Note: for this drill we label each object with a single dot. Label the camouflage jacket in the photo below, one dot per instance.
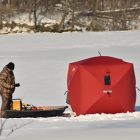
(7, 79)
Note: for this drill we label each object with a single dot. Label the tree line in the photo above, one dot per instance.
(92, 15)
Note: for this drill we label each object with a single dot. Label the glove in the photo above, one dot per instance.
(17, 85)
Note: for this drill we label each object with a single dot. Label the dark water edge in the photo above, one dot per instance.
(137, 108)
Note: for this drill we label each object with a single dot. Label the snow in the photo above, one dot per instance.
(24, 22)
(41, 68)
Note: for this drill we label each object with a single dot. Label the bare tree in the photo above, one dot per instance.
(35, 13)
(65, 13)
(0, 15)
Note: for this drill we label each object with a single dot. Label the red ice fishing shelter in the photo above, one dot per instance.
(101, 85)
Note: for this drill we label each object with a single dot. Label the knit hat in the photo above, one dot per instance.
(10, 66)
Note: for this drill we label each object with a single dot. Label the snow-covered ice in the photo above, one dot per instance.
(41, 68)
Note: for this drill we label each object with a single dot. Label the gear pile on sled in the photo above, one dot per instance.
(19, 110)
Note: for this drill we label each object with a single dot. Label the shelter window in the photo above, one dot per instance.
(107, 80)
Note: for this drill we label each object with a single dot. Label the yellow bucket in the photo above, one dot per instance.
(16, 104)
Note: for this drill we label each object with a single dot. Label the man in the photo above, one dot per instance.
(7, 87)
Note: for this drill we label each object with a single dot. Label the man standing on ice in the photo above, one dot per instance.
(7, 87)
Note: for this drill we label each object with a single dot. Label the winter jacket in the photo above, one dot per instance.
(7, 79)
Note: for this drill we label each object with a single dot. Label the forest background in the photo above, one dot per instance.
(18, 16)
